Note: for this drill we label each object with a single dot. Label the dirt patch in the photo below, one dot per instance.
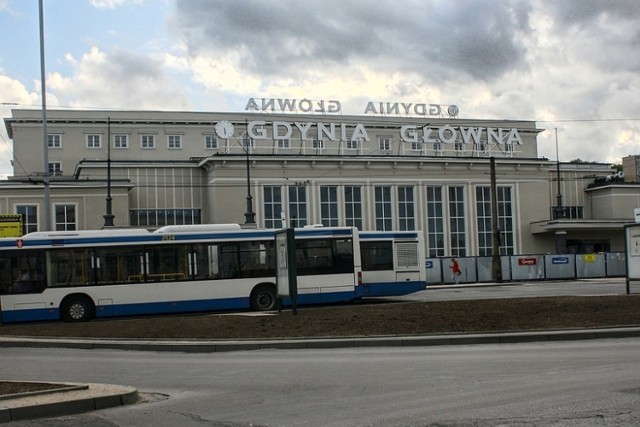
(11, 387)
(362, 319)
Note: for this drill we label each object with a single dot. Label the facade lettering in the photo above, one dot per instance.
(283, 130)
(448, 134)
(469, 135)
(398, 108)
(293, 105)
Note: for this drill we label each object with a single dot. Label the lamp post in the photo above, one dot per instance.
(250, 216)
(496, 268)
(108, 216)
(559, 209)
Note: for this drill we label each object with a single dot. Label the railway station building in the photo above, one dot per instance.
(391, 168)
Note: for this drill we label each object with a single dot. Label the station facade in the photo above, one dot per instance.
(262, 168)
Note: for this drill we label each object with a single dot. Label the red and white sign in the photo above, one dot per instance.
(527, 261)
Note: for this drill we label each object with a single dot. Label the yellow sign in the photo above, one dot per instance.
(590, 258)
(10, 225)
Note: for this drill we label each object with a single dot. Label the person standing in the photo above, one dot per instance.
(455, 270)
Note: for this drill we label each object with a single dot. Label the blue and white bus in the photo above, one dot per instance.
(79, 275)
(392, 263)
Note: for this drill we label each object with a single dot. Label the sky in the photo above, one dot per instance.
(570, 65)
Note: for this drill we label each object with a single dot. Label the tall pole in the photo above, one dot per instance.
(559, 208)
(45, 135)
(108, 216)
(496, 269)
(559, 212)
(250, 216)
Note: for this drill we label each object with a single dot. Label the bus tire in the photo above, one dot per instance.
(264, 298)
(77, 309)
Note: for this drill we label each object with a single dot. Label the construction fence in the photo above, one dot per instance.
(527, 267)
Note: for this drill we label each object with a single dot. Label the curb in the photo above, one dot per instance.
(199, 346)
(65, 401)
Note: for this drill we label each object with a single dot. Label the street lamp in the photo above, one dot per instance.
(250, 216)
(108, 216)
(558, 209)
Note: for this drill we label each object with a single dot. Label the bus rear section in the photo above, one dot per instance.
(392, 263)
(328, 265)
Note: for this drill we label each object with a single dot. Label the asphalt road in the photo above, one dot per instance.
(544, 384)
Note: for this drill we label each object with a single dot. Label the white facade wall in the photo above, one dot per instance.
(179, 174)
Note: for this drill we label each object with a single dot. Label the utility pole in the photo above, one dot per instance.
(496, 269)
(45, 133)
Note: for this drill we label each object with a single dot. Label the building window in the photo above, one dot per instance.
(329, 206)
(283, 143)
(384, 220)
(248, 144)
(456, 222)
(55, 168)
(416, 146)
(505, 221)
(54, 141)
(353, 206)
(435, 222)
(568, 212)
(483, 208)
(437, 147)
(317, 144)
(458, 146)
(94, 141)
(272, 207)
(352, 144)
(121, 141)
(384, 144)
(210, 142)
(29, 215)
(147, 141)
(174, 142)
(406, 208)
(160, 217)
(297, 206)
(65, 217)
(480, 147)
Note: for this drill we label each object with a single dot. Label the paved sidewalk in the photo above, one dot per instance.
(88, 397)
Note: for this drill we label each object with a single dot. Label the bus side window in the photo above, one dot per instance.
(229, 267)
(67, 267)
(377, 256)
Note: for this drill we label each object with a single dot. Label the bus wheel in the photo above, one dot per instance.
(77, 309)
(264, 298)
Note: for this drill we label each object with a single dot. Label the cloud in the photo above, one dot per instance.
(118, 79)
(495, 59)
(14, 95)
(113, 4)
(289, 38)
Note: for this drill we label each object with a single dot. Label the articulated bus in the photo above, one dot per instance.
(79, 275)
(392, 263)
